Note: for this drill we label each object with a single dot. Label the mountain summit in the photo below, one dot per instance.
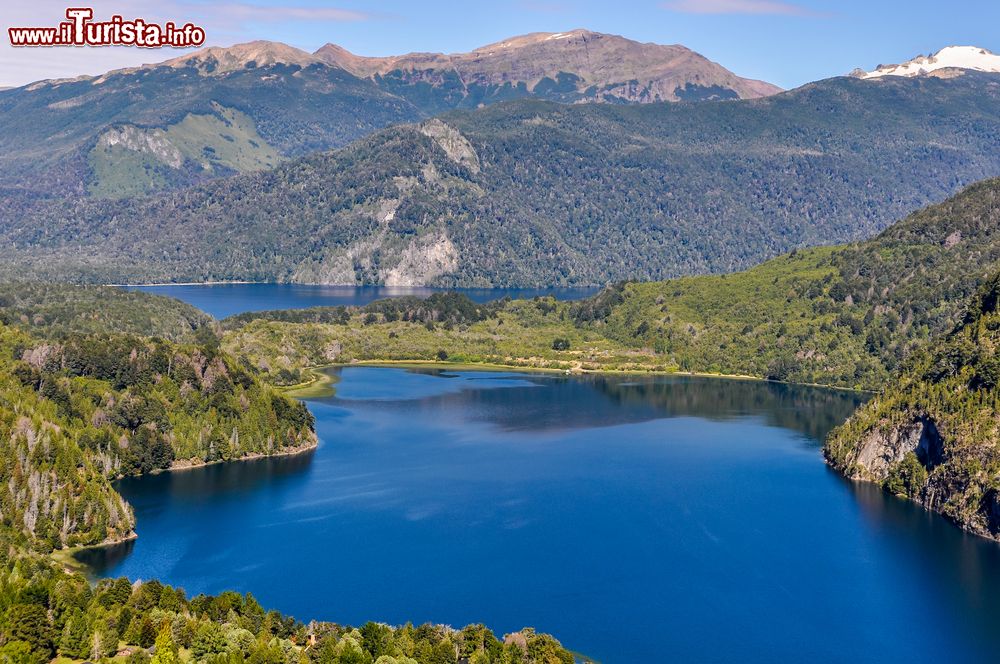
(578, 65)
(224, 110)
(261, 53)
(949, 58)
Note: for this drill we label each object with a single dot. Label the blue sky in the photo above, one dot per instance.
(787, 42)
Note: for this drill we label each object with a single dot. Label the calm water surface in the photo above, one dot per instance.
(639, 520)
(223, 300)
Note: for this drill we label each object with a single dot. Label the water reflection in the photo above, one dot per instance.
(638, 518)
(961, 567)
(193, 487)
(222, 300)
(581, 402)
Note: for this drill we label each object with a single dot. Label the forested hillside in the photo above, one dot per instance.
(97, 407)
(57, 309)
(530, 193)
(846, 315)
(220, 111)
(134, 131)
(931, 435)
(81, 404)
(843, 315)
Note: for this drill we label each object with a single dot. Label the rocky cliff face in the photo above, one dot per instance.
(911, 458)
(934, 436)
(882, 449)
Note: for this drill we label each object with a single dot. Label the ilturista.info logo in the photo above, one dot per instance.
(79, 29)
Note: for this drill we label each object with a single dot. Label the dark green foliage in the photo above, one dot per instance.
(107, 405)
(162, 387)
(599, 307)
(583, 194)
(907, 478)
(449, 308)
(560, 344)
(224, 628)
(376, 639)
(29, 623)
(847, 315)
(57, 310)
(937, 423)
(329, 315)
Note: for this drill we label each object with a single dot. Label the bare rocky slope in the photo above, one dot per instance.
(579, 65)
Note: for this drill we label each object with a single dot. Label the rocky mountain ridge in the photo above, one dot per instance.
(220, 111)
(590, 65)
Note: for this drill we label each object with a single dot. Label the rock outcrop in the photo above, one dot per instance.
(934, 436)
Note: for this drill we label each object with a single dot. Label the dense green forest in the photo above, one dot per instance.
(530, 193)
(931, 434)
(845, 316)
(89, 408)
(47, 612)
(56, 310)
(89, 393)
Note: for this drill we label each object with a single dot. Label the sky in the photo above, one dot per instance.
(786, 42)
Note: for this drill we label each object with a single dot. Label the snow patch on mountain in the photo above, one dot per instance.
(952, 57)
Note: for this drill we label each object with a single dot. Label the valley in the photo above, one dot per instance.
(569, 330)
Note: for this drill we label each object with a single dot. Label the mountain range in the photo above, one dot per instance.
(477, 169)
(539, 193)
(579, 65)
(221, 111)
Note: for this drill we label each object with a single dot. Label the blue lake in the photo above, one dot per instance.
(223, 300)
(637, 519)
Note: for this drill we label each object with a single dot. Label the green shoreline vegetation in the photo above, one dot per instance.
(844, 316)
(98, 383)
(852, 316)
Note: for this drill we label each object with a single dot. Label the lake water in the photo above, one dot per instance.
(221, 300)
(637, 519)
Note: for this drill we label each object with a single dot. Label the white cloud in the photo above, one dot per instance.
(769, 7)
(224, 24)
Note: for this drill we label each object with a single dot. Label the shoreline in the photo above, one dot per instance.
(67, 556)
(190, 283)
(474, 366)
(320, 384)
(224, 282)
(190, 464)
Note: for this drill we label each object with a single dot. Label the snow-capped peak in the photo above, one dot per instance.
(951, 57)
